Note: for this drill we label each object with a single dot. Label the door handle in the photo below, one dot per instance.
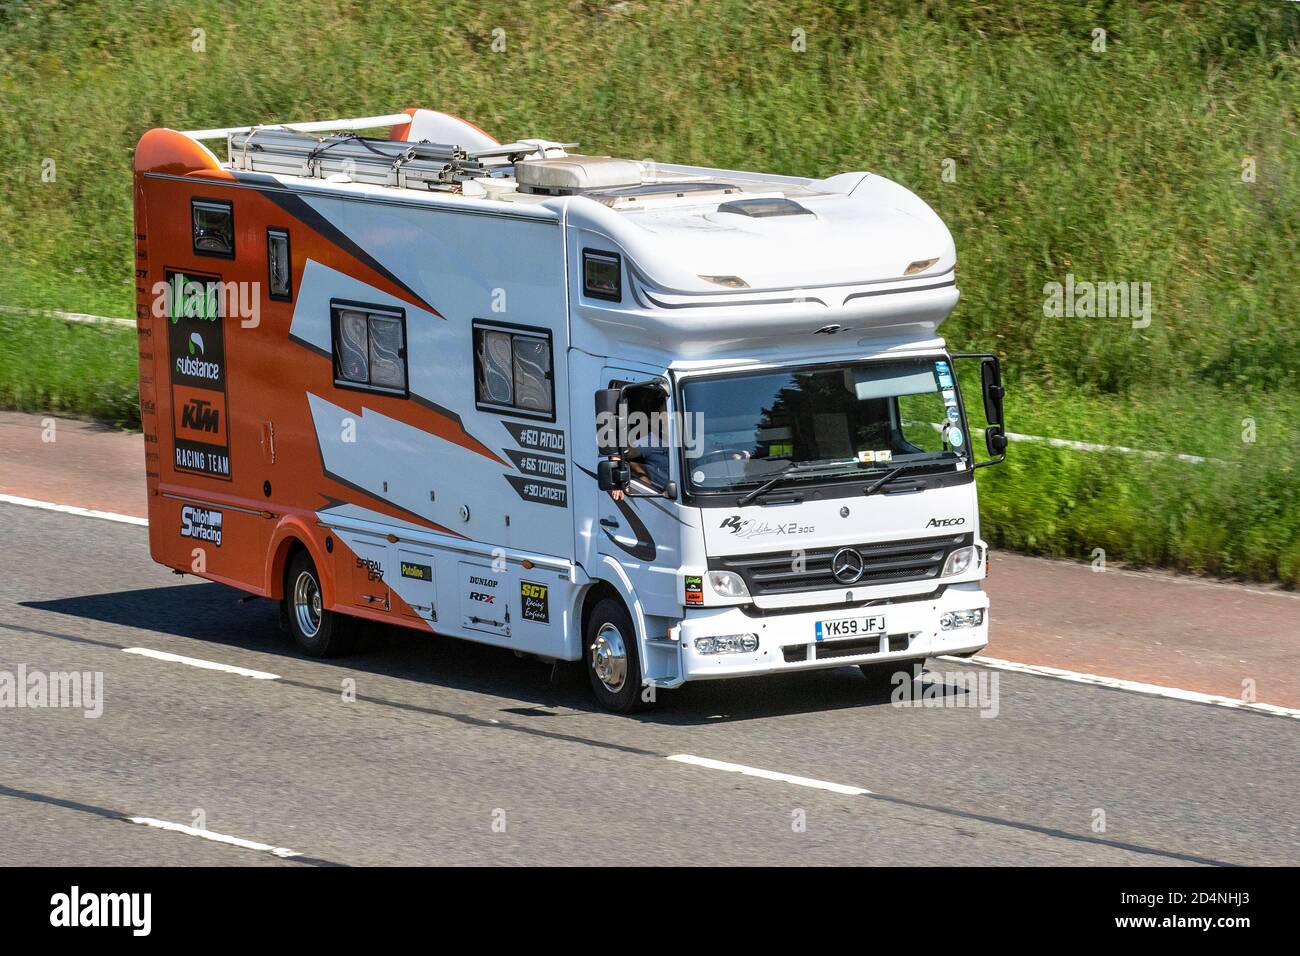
(609, 522)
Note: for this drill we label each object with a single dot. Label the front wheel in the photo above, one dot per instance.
(317, 632)
(613, 665)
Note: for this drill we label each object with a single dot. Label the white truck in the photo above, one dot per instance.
(679, 423)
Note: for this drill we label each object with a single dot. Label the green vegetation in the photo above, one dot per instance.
(1169, 158)
(75, 368)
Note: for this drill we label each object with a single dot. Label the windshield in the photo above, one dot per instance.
(828, 422)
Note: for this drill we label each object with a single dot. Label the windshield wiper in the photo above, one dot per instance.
(784, 473)
(894, 472)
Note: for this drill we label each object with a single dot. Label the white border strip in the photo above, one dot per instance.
(282, 852)
(69, 316)
(1117, 683)
(198, 662)
(768, 774)
(73, 510)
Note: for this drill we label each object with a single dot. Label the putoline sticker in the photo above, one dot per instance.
(418, 572)
(196, 347)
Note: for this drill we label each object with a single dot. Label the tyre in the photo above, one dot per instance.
(880, 677)
(317, 632)
(613, 664)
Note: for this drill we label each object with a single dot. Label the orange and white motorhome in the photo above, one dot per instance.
(400, 378)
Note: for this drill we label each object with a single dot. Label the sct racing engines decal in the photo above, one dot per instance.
(196, 347)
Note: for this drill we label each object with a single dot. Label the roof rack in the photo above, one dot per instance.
(384, 162)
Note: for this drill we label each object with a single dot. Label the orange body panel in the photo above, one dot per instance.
(260, 423)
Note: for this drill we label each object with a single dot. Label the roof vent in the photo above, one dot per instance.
(764, 208)
(575, 174)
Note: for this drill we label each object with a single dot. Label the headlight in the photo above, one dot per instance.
(971, 618)
(960, 561)
(727, 644)
(728, 584)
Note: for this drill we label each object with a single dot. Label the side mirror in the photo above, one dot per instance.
(613, 475)
(991, 379)
(608, 425)
(995, 440)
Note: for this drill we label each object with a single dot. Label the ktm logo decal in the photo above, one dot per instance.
(200, 414)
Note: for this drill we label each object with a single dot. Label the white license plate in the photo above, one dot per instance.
(850, 627)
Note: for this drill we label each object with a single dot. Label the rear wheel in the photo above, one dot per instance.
(613, 665)
(317, 632)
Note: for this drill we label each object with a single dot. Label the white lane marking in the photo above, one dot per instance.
(73, 510)
(1154, 690)
(768, 774)
(282, 852)
(199, 662)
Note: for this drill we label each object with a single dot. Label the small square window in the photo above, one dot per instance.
(513, 371)
(214, 228)
(369, 349)
(602, 275)
(279, 265)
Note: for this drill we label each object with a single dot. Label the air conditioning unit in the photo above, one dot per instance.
(575, 174)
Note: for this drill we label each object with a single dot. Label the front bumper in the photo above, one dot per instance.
(912, 629)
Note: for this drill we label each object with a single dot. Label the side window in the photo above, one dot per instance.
(513, 370)
(602, 275)
(213, 222)
(279, 265)
(648, 454)
(369, 348)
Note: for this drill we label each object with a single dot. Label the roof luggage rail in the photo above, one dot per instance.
(284, 152)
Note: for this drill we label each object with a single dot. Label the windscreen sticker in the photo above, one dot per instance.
(870, 456)
(955, 437)
(952, 413)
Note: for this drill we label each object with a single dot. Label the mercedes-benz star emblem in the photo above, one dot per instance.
(846, 566)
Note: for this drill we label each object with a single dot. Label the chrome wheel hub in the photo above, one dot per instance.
(609, 658)
(306, 604)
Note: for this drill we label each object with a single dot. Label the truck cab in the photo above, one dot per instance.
(783, 463)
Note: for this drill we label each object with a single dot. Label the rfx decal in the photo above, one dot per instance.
(754, 528)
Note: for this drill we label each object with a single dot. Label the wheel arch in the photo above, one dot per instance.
(292, 535)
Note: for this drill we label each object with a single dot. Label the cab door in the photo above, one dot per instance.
(641, 529)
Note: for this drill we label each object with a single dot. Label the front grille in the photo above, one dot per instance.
(883, 562)
(851, 648)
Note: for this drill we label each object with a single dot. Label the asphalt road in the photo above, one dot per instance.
(454, 753)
